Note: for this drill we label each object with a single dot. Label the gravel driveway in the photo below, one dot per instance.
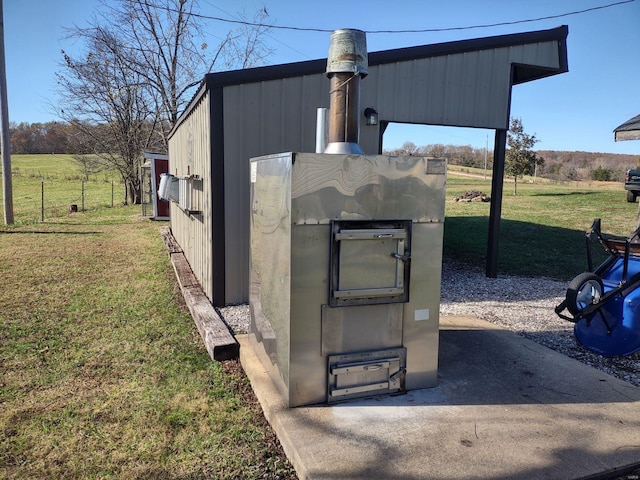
(522, 305)
(525, 306)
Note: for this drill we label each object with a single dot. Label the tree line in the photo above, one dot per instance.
(47, 138)
(464, 155)
(521, 159)
(578, 165)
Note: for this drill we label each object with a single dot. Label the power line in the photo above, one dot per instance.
(515, 22)
(270, 36)
(424, 30)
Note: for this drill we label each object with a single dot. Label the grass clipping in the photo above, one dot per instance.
(103, 374)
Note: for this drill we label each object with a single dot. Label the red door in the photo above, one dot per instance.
(160, 166)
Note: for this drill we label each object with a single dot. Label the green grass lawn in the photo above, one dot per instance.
(102, 371)
(542, 229)
(46, 185)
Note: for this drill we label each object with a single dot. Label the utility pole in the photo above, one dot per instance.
(486, 148)
(7, 190)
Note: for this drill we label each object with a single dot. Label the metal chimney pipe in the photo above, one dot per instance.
(347, 63)
(344, 106)
(321, 129)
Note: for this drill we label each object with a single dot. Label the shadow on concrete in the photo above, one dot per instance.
(497, 367)
(504, 408)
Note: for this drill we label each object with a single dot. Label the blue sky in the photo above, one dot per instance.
(573, 111)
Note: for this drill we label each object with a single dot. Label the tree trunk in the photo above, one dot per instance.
(133, 193)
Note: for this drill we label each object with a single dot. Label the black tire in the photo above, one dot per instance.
(583, 291)
(631, 196)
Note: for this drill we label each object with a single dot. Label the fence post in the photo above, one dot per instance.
(42, 200)
(83, 196)
(112, 193)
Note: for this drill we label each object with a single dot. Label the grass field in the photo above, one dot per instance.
(102, 371)
(44, 186)
(542, 230)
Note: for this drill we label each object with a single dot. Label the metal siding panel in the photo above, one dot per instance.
(369, 135)
(280, 114)
(484, 89)
(542, 54)
(392, 107)
(189, 154)
(314, 95)
(446, 90)
(454, 90)
(203, 223)
(465, 89)
(498, 79)
(240, 106)
(468, 107)
(273, 106)
(435, 71)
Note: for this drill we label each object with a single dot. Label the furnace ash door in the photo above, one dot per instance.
(370, 262)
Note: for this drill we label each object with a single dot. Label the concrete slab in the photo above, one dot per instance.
(504, 408)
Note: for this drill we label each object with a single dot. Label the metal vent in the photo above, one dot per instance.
(364, 374)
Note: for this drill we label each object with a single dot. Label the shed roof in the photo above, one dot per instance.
(629, 130)
(524, 73)
(521, 72)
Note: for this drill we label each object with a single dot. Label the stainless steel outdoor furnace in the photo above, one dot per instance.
(346, 258)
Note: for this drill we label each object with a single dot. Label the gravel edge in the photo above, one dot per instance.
(522, 305)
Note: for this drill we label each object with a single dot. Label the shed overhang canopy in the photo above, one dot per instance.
(465, 72)
(629, 130)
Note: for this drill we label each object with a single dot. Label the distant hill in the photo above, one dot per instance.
(562, 165)
(558, 165)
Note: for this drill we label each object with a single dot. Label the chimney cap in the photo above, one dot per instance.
(348, 52)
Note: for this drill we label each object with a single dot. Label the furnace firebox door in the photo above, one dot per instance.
(370, 262)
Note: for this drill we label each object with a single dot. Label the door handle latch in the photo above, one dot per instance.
(406, 258)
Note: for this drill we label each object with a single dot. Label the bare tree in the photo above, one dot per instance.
(90, 164)
(167, 47)
(106, 102)
(142, 60)
(246, 46)
(408, 148)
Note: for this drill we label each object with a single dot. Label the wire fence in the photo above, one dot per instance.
(38, 199)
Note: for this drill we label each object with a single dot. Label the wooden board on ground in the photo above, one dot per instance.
(218, 340)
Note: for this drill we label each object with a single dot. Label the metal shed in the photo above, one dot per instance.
(237, 115)
(156, 165)
(629, 130)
